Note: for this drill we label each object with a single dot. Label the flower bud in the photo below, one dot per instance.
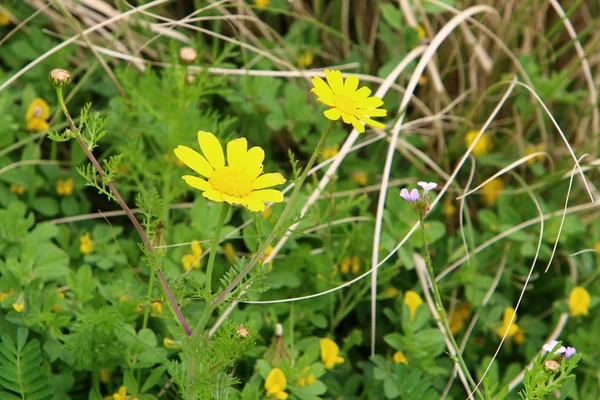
(190, 79)
(60, 77)
(551, 366)
(187, 54)
(242, 331)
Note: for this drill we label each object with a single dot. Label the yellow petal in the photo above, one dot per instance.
(213, 195)
(332, 114)
(370, 102)
(255, 155)
(372, 112)
(196, 182)
(236, 151)
(254, 204)
(212, 149)
(335, 80)
(356, 124)
(193, 160)
(350, 85)
(270, 195)
(268, 180)
(323, 92)
(275, 380)
(362, 93)
(371, 122)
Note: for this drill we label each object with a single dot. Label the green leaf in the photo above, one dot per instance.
(50, 262)
(46, 206)
(154, 377)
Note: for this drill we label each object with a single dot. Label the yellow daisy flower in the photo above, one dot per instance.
(37, 114)
(579, 301)
(240, 182)
(346, 101)
(400, 357)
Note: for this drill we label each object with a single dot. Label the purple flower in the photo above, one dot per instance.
(551, 345)
(412, 196)
(570, 351)
(427, 186)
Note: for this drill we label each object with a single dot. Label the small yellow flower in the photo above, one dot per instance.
(275, 384)
(305, 60)
(192, 259)
(240, 182)
(121, 394)
(61, 294)
(17, 189)
(123, 298)
(412, 300)
(579, 301)
(3, 296)
(86, 246)
(391, 292)
(156, 307)
(483, 146)
(330, 353)
(37, 114)
(345, 265)
(448, 208)
(506, 319)
(64, 187)
(491, 191)
(420, 32)
(400, 357)
(458, 317)
(355, 265)
(422, 80)
(104, 375)
(330, 152)
(4, 19)
(19, 305)
(306, 380)
(139, 307)
(534, 149)
(171, 344)
(346, 101)
(229, 252)
(520, 337)
(360, 178)
(262, 3)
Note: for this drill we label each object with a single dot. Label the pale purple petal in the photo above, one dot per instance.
(551, 345)
(412, 196)
(427, 186)
(570, 351)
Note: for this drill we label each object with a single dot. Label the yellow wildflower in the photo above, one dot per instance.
(355, 265)
(262, 3)
(275, 384)
(3, 296)
(345, 265)
(37, 114)
(491, 191)
(121, 394)
(192, 259)
(139, 307)
(391, 292)
(420, 32)
(534, 149)
(19, 305)
(413, 301)
(85, 244)
(4, 19)
(306, 380)
(360, 178)
(237, 183)
(330, 353)
(330, 152)
(579, 301)
(448, 208)
(484, 144)
(305, 60)
(422, 80)
(346, 101)
(64, 187)
(519, 337)
(230, 253)
(171, 344)
(104, 375)
(123, 298)
(506, 320)
(458, 317)
(400, 357)
(156, 307)
(17, 189)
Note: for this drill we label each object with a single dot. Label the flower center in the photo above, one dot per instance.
(345, 103)
(231, 181)
(37, 112)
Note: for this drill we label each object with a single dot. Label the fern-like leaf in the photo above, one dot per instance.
(20, 368)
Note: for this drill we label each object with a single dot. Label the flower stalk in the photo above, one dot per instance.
(161, 277)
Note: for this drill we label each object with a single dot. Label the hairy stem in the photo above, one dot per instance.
(128, 212)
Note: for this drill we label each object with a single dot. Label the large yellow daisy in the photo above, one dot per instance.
(346, 101)
(240, 182)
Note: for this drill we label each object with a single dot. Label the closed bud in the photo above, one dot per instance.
(60, 77)
(187, 54)
(551, 366)
(242, 331)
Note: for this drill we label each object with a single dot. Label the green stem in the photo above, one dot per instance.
(214, 245)
(282, 217)
(442, 314)
(148, 296)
